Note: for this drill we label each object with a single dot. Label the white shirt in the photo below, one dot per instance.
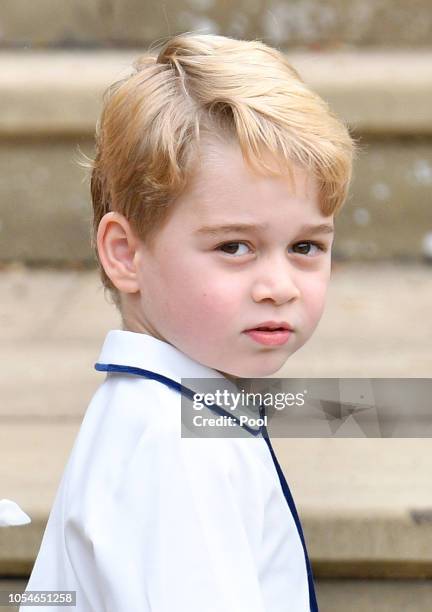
(146, 520)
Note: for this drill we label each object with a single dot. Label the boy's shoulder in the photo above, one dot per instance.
(126, 408)
(130, 449)
(134, 412)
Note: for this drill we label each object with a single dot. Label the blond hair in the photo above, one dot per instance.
(149, 130)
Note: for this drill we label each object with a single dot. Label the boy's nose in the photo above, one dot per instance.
(275, 283)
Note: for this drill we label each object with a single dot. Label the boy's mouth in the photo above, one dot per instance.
(272, 326)
(270, 333)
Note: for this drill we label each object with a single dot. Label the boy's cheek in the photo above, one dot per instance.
(216, 306)
(314, 298)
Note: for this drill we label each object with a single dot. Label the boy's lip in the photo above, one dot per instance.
(272, 325)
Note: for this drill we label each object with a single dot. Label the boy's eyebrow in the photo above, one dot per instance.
(322, 228)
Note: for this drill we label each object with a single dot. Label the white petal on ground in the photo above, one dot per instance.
(11, 514)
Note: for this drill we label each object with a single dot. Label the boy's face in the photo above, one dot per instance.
(200, 290)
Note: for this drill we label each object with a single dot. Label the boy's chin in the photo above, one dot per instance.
(257, 371)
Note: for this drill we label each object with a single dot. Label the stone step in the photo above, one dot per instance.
(337, 595)
(49, 103)
(58, 93)
(365, 503)
(308, 23)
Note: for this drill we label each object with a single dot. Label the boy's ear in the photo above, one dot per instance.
(117, 245)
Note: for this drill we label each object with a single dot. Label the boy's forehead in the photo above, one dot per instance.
(224, 186)
(219, 160)
(216, 156)
(208, 219)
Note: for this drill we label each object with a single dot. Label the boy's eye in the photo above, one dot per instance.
(308, 248)
(231, 248)
(304, 248)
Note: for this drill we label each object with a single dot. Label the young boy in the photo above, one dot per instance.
(215, 185)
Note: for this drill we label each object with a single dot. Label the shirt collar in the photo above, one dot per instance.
(144, 351)
(126, 348)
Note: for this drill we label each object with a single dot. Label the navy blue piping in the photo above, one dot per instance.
(289, 498)
(112, 367)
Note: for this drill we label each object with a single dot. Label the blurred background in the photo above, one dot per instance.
(366, 504)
